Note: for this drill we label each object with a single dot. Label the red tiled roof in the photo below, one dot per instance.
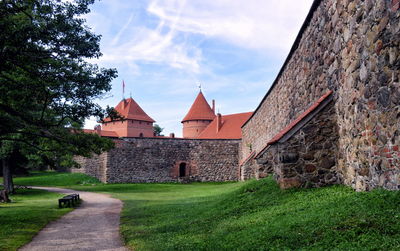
(200, 110)
(129, 109)
(282, 133)
(230, 127)
(110, 134)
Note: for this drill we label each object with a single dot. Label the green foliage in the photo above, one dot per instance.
(47, 85)
(157, 130)
(28, 213)
(45, 79)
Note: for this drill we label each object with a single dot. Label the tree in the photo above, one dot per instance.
(157, 130)
(47, 85)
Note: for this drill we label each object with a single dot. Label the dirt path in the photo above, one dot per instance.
(92, 226)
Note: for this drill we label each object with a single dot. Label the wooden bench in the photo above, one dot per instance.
(69, 200)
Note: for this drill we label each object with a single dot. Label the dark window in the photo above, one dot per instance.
(182, 169)
(141, 135)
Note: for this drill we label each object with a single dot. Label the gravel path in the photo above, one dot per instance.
(94, 225)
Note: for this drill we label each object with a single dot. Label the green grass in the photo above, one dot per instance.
(28, 213)
(255, 215)
(55, 179)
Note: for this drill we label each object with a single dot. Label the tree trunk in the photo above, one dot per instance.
(4, 196)
(7, 176)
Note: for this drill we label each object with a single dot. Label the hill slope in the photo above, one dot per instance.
(255, 215)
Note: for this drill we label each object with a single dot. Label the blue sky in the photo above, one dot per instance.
(163, 49)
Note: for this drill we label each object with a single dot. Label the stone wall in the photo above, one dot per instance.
(368, 105)
(352, 48)
(95, 166)
(158, 160)
(309, 157)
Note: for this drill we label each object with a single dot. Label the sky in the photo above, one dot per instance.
(164, 49)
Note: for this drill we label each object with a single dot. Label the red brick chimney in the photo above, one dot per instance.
(172, 135)
(213, 106)
(219, 121)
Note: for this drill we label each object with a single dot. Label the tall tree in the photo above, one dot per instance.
(157, 130)
(47, 85)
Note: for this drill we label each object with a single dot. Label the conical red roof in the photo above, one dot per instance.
(129, 109)
(200, 110)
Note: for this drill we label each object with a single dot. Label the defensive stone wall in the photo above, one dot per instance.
(308, 157)
(352, 48)
(166, 160)
(95, 166)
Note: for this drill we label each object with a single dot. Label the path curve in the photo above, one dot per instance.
(94, 225)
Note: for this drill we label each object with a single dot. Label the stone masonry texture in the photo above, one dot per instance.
(309, 157)
(350, 47)
(158, 160)
(95, 166)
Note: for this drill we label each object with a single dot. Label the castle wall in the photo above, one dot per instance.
(95, 166)
(309, 157)
(352, 48)
(158, 160)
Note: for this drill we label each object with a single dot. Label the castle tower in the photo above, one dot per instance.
(135, 122)
(198, 118)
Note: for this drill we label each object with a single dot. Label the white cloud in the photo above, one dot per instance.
(163, 47)
(251, 24)
(121, 31)
(153, 47)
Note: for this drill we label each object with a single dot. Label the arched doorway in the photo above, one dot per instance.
(182, 169)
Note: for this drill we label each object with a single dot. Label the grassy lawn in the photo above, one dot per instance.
(28, 213)
(55, 179)
(255, 215)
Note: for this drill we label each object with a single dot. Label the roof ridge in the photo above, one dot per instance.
(130, 109)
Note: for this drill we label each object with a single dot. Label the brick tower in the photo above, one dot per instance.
(135, 122)
(198, 118)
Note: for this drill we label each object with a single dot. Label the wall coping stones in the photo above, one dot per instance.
(298, 123)
(248, 158)
(301, 120)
